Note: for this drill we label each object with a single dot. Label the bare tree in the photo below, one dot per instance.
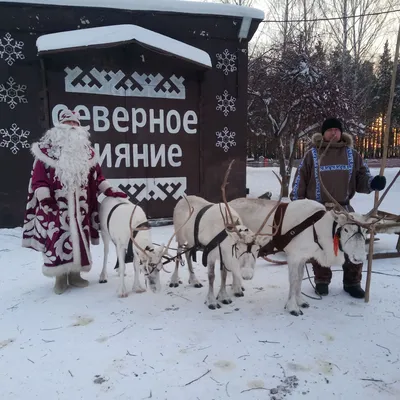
(290, 94)
(245, 3)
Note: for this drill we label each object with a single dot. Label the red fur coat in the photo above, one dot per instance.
(63, 236)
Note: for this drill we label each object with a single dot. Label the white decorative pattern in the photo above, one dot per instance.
(225, 139)
(118, 84)
(227, 62)
(14, 138)
(11, 93)
(151, 188)
(10, 49)
(226, 103)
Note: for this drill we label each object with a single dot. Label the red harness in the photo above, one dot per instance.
(279, 241)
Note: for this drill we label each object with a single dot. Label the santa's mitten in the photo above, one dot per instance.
(378, 182)
(49, 204)
(115, 193)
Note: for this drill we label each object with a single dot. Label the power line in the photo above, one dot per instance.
(330, 19)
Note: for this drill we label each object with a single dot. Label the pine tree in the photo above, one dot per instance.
(382, 87)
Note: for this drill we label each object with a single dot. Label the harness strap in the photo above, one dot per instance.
(129, 251)
(197, 244)
(111, 213)
(212, 245)
(278, 220)
(280, 241)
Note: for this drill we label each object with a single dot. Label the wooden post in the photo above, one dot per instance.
(383, 162)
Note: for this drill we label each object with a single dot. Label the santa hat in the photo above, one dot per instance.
(330, 123)
(68, 115)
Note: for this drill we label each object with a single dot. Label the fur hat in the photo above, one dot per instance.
(331, 123)
(68, 115)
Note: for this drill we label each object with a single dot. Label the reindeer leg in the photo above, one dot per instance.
(137, 287)
(223, 296)
(192, 277)
(294, 283)
(237, 285)
(106, 242)
(175, 276)
(299, 298)
(121, 260)
(211, 301)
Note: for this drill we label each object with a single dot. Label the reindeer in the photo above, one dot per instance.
(224, 238)
(309, 230)
(117, 226)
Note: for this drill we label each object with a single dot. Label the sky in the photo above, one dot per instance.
(389, 32)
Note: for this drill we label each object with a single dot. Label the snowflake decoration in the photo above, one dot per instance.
(226, 62)
(225, 139)
(10, 49)
(226, 103)
(14, 138)
(12, 93)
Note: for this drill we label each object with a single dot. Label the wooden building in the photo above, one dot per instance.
(161, 84)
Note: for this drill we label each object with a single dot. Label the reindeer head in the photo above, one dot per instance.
(351, 228)
(349, 232)
(247, 243)
(152, 265)
(152, 257)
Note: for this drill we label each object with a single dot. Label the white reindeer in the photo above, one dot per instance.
(303, 247)
(237, 247)
(338, 233)
(119, 218)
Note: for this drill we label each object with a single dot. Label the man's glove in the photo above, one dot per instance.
(378, 183)
(111, 193)
(50, 203)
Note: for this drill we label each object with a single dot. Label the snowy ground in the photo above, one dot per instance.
(89, 344)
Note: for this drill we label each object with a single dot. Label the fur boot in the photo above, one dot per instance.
(61, 284)
(76, 280)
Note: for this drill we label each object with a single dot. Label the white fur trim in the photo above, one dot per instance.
(31, 243)
(35, 150)
(104, 186)
(42, 193)
(73, 228)
(51, 272)
(80, 227)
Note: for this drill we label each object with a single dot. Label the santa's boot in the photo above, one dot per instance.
(76, 280)
(61, 284)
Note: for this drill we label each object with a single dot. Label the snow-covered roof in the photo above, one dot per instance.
(175, 6)
(116, 34)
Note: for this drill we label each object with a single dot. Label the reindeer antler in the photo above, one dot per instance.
(340, 209)
(228, 224)
(191, 211)
(331, 198)
(271, 212)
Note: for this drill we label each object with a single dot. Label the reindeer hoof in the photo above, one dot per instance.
(139, 290)
(227, 301)
(103, 281)
(212, 306)
(305, 305)
(239, 294)
(296, 313)
(243, 289)
(173, 284)
(123, 295)
(198, 285)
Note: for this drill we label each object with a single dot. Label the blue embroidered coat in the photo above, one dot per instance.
(343, 172)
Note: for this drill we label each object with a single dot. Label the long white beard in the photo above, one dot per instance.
(71, 147)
